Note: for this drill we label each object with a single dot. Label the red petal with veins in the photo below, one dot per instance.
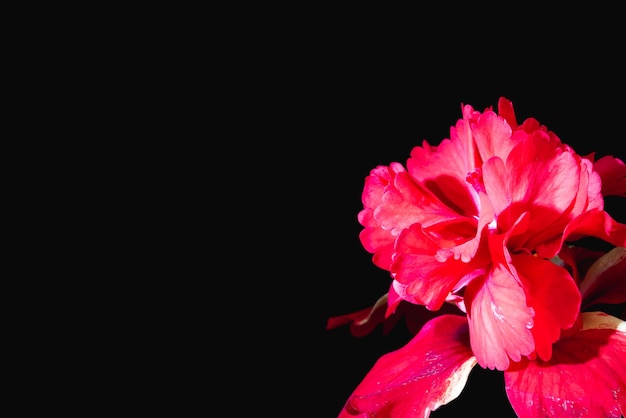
(499, 319)
(586, 375)
(493, 136)
(407, 202)
(430, 371)
(537, 177)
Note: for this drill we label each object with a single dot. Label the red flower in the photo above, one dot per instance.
(477, 235)
(476, 220)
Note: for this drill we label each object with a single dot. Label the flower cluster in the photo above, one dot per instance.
(480, 236)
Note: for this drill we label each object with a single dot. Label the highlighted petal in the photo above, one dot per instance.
(586, 375)
(430, 371)
(499, 320)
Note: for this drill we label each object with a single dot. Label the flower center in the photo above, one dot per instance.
(475, 179)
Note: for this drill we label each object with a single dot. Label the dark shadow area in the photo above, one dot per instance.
(484, 391)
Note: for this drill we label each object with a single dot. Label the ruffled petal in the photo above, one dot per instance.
(499, 320)
(537, 177)
(430, 371)
(493, 137)
(393, 201)
(406, 202)
(375, 239)
(419, 277)
(586, 375)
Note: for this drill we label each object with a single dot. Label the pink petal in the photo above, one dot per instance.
(442, 170)
(375, 239)
(605, 281)
(586, 375)
(499, 320)
(466, 249)
(407, 202)
(422, 279)
(588, 198)
(392, 202)
(493, 136)
(430, 371)
(536, 177)
(380, 243)
(495, 178)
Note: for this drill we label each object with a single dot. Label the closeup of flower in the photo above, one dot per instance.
(481, 238)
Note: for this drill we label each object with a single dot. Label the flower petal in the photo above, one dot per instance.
(492, 134)
(422, 279)
(605, 281)
(442, 170)
(536, 177)
(499, 319)
(373, 238)
(430, 371)
(599, 224)
(392, 202)
(586, 375)
(613, 174)
(545, 282)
